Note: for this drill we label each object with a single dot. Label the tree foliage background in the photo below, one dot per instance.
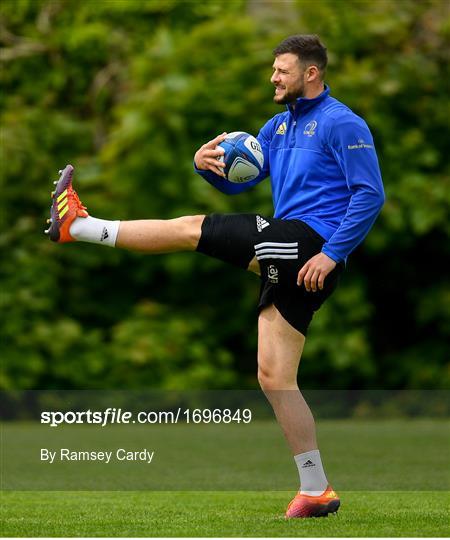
(126, 91)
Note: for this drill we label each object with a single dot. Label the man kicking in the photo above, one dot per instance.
(327, 192)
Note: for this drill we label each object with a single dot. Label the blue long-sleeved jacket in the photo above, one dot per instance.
(324, 170)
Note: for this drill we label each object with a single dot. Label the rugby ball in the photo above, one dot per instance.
(243, 157)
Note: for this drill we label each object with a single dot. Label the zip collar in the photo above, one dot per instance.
(303, 105)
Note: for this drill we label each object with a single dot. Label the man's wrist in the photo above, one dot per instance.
(331, 255)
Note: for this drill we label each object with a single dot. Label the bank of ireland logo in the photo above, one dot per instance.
(310, 128)
(272, 274)
(360, 144)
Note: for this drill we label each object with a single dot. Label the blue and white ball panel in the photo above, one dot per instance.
(242, 171)
(243, 157)
(255, 148)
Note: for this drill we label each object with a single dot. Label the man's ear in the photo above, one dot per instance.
(312, 73)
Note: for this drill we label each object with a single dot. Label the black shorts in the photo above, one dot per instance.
(282, 247)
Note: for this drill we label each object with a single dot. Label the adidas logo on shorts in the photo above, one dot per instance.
(261, 223)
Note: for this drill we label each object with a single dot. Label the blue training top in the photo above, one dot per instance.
(324, 170)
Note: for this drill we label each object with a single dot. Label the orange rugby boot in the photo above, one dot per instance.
(65, 208)
(305, 506)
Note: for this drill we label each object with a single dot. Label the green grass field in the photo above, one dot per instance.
(380, 455)
(219, 514)
(389, 484)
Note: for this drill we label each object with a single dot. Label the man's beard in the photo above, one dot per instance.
(290, 97)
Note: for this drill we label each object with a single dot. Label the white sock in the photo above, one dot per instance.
(312, 477)
(95, 231)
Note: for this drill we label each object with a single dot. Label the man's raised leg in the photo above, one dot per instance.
(69, 221)
(279, 350)
(161, 235)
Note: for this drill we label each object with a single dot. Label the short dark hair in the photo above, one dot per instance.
(308, 48)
